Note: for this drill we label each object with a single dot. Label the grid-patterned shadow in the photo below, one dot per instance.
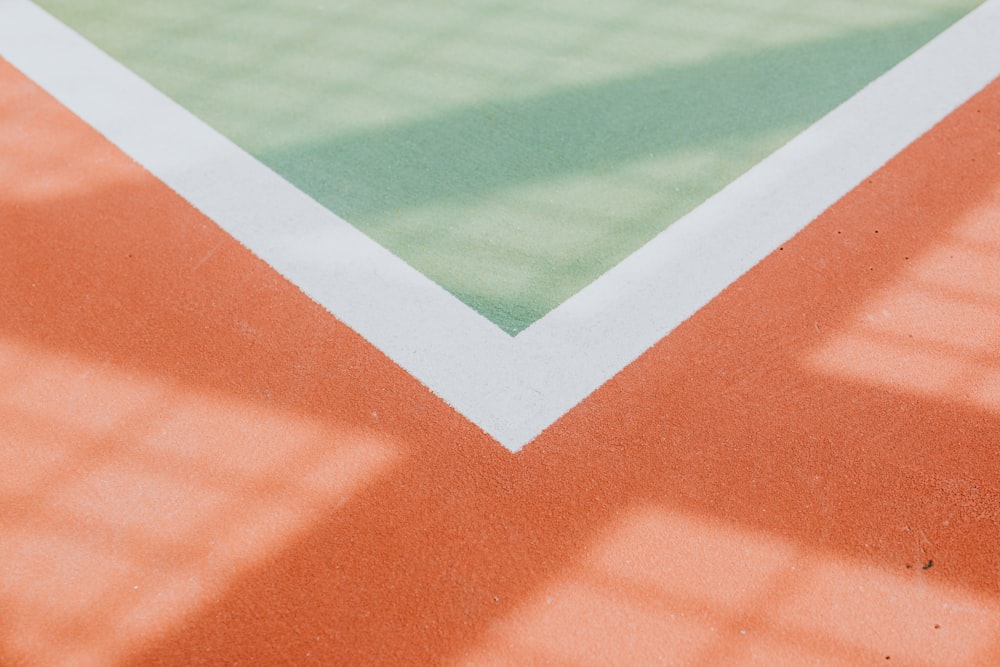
(511, 153)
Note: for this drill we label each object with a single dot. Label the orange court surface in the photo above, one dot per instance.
(211, 455)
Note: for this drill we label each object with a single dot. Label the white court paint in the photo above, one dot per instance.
(511, 387)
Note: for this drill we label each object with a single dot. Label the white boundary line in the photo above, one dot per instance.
(512, 388)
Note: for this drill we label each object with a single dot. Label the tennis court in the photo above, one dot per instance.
(470, 333)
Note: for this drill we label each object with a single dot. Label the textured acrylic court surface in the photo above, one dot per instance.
(203, 467)
(511, 152)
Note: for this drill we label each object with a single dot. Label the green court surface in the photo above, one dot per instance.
(510, 153)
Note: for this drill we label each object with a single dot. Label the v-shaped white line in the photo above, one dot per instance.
(511, 387)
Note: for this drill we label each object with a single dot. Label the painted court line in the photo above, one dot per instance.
(512, 388)
(261, 472)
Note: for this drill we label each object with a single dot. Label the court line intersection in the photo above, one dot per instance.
(511, 387)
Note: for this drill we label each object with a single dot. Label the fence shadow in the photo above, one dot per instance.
(723, 483)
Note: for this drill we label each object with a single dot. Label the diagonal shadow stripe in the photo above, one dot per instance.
(486, 147)
(734, 109)
(511, 388)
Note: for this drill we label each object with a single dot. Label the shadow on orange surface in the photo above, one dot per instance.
(128, 501)
(743, 493)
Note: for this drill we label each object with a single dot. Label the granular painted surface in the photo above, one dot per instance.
(203, 466)
(511, 153)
